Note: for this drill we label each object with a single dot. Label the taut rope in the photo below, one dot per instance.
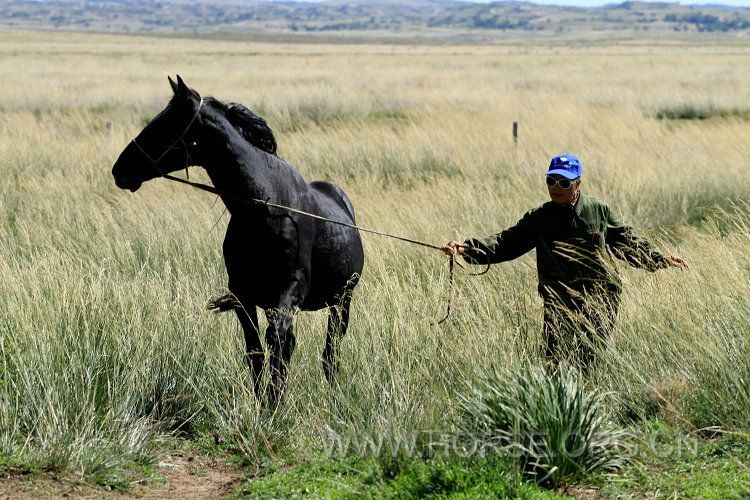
(257, 201)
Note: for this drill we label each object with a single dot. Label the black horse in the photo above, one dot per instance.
(276, 260)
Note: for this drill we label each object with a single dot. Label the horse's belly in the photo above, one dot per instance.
(261, 270)
(262, 286)
(260, 274)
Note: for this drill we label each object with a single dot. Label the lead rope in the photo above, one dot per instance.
(451, 263)
(256, 201)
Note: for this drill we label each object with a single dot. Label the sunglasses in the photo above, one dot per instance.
(563, 183)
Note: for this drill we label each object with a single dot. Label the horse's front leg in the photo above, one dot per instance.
(248, 316)
(281, 341)
(280, 338)
(254, 356)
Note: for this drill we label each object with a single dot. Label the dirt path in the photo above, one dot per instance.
(190, 476)
(187, 476)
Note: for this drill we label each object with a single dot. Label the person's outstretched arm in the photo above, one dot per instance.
(636, 250)
(506, 245)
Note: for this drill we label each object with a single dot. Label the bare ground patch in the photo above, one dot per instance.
(186, 475)
(47, 485)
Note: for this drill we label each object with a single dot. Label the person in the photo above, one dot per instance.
(575, 237)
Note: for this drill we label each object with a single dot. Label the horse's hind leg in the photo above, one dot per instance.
(253, 350)
(338, 322)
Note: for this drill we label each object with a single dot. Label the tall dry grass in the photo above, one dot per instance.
(104, 344)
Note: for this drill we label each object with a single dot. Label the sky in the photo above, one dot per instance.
(599, 3)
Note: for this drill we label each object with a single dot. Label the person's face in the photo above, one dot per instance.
(560, 195)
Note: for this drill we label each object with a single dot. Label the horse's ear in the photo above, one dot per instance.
(181, 87)
(185, 91)
(172, 84)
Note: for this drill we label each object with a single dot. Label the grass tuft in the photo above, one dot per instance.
(556, 429)
(690, 111)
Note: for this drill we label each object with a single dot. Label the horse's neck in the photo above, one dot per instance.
(238, 172)
(237, 167)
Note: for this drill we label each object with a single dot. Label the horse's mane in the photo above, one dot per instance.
(252, 127)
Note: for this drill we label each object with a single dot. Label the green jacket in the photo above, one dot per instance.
(574, 245)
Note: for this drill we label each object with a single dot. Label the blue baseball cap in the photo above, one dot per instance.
(569, 166)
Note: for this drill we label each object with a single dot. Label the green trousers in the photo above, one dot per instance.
(578, 322)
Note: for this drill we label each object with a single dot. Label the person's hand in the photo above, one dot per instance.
(678, 262)
(454, 247)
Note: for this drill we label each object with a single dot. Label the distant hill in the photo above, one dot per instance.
(442, 19)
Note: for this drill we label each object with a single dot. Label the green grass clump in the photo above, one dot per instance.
(485, 477)
(721, 397)
(446, 477)
(688, 111)
(673, 464)
(547, 421)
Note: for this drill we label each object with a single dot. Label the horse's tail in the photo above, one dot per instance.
(223, 303)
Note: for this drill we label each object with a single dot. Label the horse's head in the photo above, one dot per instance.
(165, 144)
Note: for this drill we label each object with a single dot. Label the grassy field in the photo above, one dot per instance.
(108, 359)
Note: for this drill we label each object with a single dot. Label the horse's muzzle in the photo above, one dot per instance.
(129, 183)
